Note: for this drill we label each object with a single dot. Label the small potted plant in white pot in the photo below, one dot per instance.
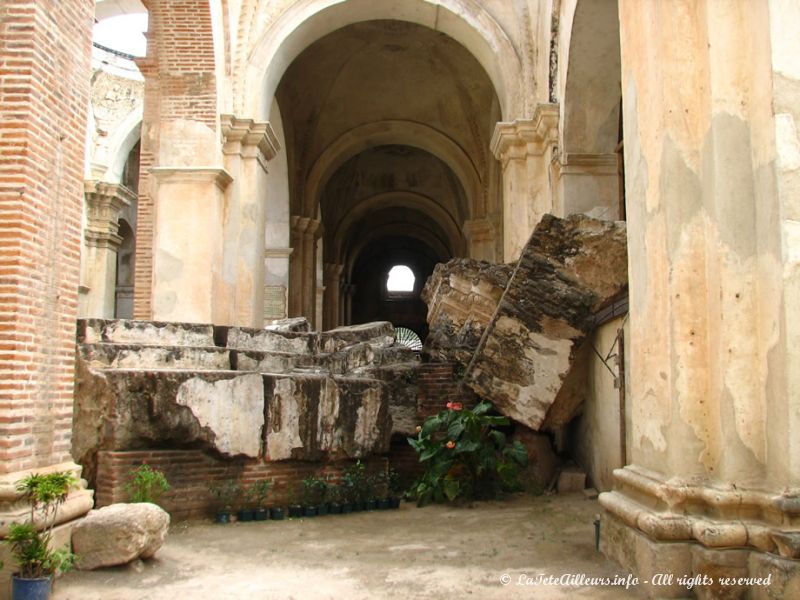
(32, 548)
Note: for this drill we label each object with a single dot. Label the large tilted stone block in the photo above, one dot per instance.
(569, 268)
(133, 356)
(516, 329)
(462, 297)
(118, 534)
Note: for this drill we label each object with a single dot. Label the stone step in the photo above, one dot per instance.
(145, 333)
(378, 334)
(264, 340)
(137, 356)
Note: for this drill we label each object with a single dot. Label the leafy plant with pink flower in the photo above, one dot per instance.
(466, 455)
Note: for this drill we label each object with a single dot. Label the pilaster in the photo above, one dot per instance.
(188, 243)
(524, 148)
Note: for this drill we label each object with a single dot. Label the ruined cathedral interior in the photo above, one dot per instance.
(283, 233)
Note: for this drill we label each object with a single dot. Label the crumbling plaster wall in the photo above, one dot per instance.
(596, 439)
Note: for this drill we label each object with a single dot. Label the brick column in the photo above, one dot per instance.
(44, 78)
(179, 129)
(104, 203)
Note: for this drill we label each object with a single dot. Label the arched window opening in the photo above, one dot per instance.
(401, 279)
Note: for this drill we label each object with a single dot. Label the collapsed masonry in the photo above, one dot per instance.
(251, 396)
(515, 330)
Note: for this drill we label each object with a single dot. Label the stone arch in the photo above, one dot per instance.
(121, 143)
(466, 21)
(408, 200)
(406, 133)
(590, 112)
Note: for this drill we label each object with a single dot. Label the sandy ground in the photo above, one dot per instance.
(436, 552)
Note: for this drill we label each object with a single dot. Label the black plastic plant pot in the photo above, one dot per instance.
(245, 515)
(260, 514)
(222, 516)
(31, 589)
(295, 511)
(347, 507)
(335, 508)
(372, 504)
(323, 510)
(309, 511)
(359, 505)
(394, 502)
(384, 503)
(276, 513)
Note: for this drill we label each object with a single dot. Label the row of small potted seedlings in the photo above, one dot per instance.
(315, 496)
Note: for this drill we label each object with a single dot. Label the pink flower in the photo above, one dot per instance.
(451, 444)
(455, 405)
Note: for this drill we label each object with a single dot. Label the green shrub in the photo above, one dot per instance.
(147, 484)
(466, 456)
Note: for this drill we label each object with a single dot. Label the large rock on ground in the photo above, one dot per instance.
(567, 271)
(118, 534)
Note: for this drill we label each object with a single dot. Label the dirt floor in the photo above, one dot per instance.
(490, 551)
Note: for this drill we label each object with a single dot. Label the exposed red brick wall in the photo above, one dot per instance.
(45, 66)
(191, 473)
(438, 386)
(180, 84)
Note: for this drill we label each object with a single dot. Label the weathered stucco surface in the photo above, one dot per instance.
(263, 395)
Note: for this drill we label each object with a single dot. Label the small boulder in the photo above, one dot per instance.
(118, 534)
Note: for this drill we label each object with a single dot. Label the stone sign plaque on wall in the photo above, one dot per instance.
(274, 302)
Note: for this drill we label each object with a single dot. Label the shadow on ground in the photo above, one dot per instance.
(436, 552)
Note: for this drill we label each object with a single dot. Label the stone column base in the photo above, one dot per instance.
(686, 569)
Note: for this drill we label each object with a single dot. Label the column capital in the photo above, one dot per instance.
(216, 175)
(332, 271)
(104, 203)
(524, 137)
(249, 139)
(479, 229)
(305, 226)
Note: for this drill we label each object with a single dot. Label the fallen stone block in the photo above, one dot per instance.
(567, 271)
(571, 481)
(119, 534)
(462, 297)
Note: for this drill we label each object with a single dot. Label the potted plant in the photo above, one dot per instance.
(147, 484)
(244, 511)
(225, 492)
(395, 488)
(310, 496)
(32, 549)
(258, 492)
(370, 492)
(381, 490)
(354, 480)
(295, 508)
(333, 497)
(321, 486)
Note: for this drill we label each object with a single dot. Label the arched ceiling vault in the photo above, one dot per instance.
(452, 240)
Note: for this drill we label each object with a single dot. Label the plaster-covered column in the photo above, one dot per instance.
(188, 241)
(708, 491)
(104, 203)
(332, 274)
(247, 146)
(276, 283)
(481, 237)
(524, 147)
(302, 268)
(588, 184)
